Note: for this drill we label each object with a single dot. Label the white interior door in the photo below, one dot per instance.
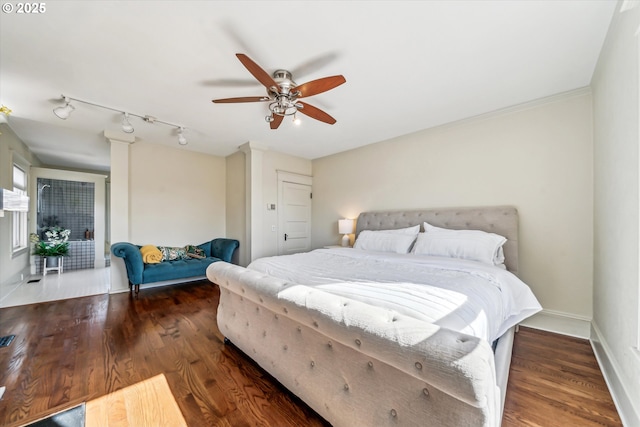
(294, 218)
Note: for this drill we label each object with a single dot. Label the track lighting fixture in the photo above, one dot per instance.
(181, 139)
(65, 111)
(126, 126)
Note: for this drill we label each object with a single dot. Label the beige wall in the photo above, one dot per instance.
(253, 178)
(273, 162)
(616, 214)
(236, 204)
(177, 197)
(11, 149)
(537, 158)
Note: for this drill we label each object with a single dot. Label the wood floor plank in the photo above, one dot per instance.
(73, 351)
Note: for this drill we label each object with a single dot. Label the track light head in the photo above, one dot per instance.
(181, 139)
(126, 126)
(65, 111)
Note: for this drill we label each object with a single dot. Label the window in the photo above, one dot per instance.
(20, 237)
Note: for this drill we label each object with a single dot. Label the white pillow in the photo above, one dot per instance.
(385, 241)
(409, 230)
(473, 245)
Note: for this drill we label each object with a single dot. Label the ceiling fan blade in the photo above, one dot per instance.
(315, 87)
(242, 99)
(261, 75)
(231, 82)
(277, 119)
(314, 64)
(315, 113)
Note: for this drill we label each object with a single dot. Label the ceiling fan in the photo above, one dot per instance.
(283, 93)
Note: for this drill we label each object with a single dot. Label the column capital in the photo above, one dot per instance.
(117, 136)
(250, 146)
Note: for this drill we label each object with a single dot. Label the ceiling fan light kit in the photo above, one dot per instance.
(63, 112)
(283, 94)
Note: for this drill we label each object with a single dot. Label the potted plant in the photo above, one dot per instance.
(55, 246)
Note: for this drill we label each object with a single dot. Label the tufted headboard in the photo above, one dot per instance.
(502, 220)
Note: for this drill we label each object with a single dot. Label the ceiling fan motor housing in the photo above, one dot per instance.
(284, 80)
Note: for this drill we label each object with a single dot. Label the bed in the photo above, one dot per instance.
(370, 337)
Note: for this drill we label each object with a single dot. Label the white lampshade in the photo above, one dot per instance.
(345, 226)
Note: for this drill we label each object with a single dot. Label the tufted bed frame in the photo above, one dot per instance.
(364, 373)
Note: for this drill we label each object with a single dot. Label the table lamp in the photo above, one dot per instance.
(345, 227)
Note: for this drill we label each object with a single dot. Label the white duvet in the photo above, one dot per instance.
(467, 296)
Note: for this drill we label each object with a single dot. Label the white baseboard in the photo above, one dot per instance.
(616, 383)
(13, 283)
(561, 323)
(172, 282)
(162, 283)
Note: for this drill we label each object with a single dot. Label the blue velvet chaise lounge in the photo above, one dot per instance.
(138, 272)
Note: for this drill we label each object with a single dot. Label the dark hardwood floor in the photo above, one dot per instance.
(555, 381)
(76, 350)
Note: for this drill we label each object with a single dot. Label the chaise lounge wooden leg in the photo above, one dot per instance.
(134, 289)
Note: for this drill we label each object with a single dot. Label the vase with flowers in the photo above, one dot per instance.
(54, 246)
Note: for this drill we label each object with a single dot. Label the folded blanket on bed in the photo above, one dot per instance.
(151, 254)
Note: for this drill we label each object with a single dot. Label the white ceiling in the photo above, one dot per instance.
(409, 65)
